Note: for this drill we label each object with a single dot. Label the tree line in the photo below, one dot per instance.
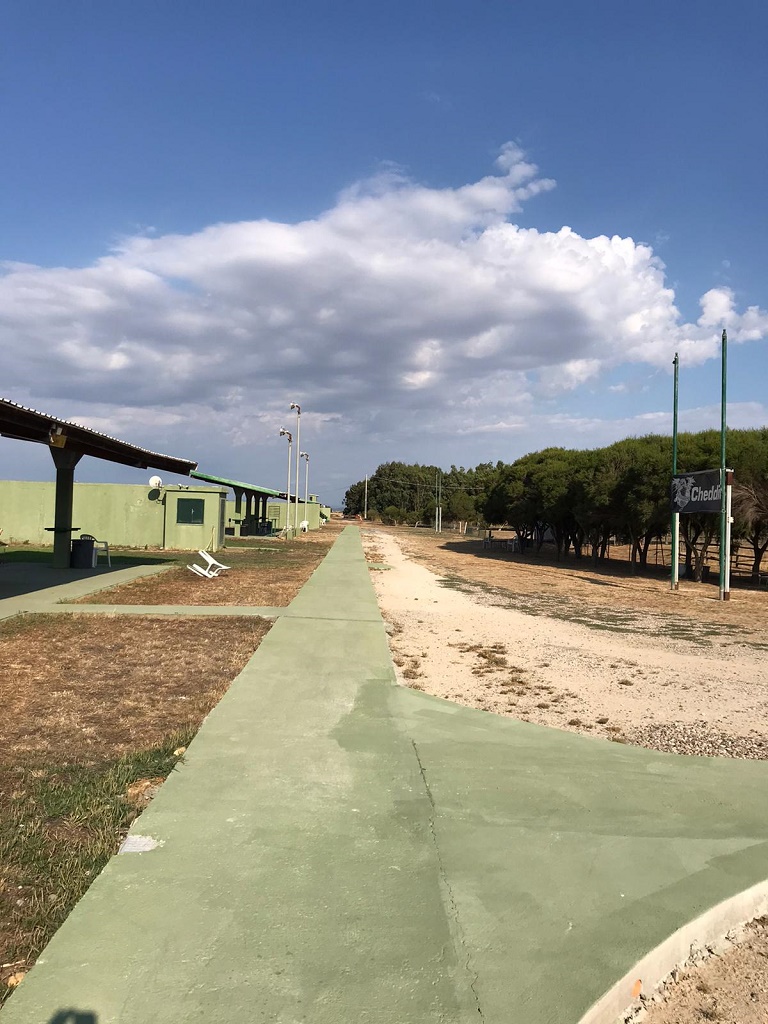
(581, 499)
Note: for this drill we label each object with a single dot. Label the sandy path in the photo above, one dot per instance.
(661, 691)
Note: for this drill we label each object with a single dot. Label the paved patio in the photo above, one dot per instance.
(339, 849)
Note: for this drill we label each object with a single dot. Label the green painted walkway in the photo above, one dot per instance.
(337, 849)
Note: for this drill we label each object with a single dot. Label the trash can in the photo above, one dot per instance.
(83, 554)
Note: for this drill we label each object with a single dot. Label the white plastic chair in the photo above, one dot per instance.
(212, 563)
(98, 545)
(208, 574)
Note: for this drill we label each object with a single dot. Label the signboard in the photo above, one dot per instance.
(696, 492)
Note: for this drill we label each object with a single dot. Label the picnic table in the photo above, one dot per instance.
(500, 543)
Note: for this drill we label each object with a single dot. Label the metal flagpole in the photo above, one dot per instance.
(724, 524)
(675, 515)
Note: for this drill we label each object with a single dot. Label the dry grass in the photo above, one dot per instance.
(96, 712)
(92, 687)
(268, 574)
(567, 589)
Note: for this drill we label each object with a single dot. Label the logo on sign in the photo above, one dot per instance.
(681, 491)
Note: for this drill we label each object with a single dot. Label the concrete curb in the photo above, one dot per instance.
(709, 929)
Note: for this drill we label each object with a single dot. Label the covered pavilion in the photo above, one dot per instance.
(68, 443)
(250, 500)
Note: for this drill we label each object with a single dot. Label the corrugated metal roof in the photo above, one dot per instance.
(237, 485)
(26, 424)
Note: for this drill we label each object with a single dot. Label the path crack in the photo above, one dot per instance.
(458, 930)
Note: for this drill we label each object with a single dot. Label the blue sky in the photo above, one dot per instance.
(212, 210)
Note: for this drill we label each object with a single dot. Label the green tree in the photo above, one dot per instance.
(748, 455)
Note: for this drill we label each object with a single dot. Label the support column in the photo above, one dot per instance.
(250, 511)
(263, 509)
(65, 462)
(238, 512)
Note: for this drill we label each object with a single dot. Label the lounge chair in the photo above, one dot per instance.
(212, 563)
(208, 574)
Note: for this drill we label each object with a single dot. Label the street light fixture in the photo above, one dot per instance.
(297, 407)
(289, 435)
(304, 455)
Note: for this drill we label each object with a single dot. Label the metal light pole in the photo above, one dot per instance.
(675, 515)
(365, 506)
(304, 455)
(289, 435)
(297, 407)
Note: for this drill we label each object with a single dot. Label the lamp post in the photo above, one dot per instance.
(297, 407)
(305, 455)
(289, 435)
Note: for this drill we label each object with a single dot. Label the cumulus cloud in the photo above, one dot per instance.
(401, 305)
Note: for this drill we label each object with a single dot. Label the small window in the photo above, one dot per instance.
(190, 510)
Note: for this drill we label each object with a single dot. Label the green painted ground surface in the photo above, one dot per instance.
(337, 849)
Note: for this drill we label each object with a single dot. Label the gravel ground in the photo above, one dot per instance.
(698, 738)
(669, 689)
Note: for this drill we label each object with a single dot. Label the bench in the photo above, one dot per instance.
(500, 543)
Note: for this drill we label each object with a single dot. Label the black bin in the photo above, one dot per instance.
(82, 554)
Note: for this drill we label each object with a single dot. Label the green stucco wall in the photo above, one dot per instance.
(125, 515)
(276, 512)
(188, 536)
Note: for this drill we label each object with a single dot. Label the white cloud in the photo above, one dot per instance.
(401, 308)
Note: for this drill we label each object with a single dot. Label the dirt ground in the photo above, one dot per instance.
(731, 987)
(598, 652)
(265, 573)
(566, 646)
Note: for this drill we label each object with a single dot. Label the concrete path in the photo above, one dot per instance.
(337, 849)
(29, 587)
(33, 587)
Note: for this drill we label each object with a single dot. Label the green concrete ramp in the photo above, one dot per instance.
(338, 849)
(569, 858)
